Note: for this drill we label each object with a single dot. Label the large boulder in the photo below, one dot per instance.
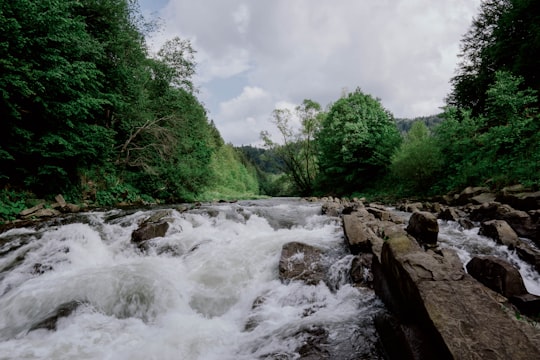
(497, 274)
(424, 227)
(519, 198)
(528, 254)
(301, 262)
(468, 194)
(520, 221)
(500, 231)
(442, 312)
(358, 235)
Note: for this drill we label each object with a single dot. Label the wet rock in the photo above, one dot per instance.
(483, 198)
(412, 207)
(395, 340)
(498, 275)
(528, 254)
(155, 226)
(500, 231)
(360, 271)
(51, 320)
(302, 262)
(438, 304)
(39, 269)
(449, 214)
(331, 208)
(527, 304)
(520, 221)
(358, 236)
(519, 198)
(466, 223)
(468, 193)
(383, 214)
(424, 228)
(313, 347)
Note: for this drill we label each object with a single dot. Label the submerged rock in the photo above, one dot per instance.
(51, 321)
(302, 262)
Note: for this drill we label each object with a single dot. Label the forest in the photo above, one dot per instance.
(90, 113)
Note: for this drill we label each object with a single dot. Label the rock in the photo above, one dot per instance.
(527, 304)
(483, 198)
(71, 208)
(44, 213)
(528, 254)
(520, 221)
(500, 231)
(360, 271)
(412, 207)
(155, 226)
(519, 199)
(395, 342)
(51, 320)
(28, 212)
(449, 214)
(445, 313)
(302, 262)
(424, 227)
(60, 200)
(358, 235)
(468, 193)
(331, 209)
(385, 215)
(498, 275)
(466, 223)
(313, 347)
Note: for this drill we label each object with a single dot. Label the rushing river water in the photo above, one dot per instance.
(191, 296)
(209, 289)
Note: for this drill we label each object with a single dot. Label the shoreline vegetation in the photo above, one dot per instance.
(123, 126)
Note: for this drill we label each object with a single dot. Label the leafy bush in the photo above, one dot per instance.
(11, 203)
(417, 163)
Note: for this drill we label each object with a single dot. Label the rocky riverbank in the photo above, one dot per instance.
(437, 309)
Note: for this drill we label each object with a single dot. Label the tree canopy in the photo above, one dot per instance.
(505, 36)
(356, 141)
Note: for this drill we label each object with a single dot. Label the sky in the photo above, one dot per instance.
(254, 56)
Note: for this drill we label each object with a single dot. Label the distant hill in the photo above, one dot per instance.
(404, 125)
(264, 159)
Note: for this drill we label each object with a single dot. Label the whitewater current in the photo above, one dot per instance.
(208, 289)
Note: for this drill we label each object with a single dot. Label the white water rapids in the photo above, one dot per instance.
(192, 295)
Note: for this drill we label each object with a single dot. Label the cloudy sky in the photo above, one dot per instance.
(259, 55)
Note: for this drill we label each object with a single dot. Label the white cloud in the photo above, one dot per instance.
(402, 51)
(241, 119)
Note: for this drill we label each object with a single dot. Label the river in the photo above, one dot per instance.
(207, 290)
(191, 296)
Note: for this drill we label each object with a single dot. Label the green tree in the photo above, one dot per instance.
(52, 95)
(499, 146)
(505, 36)
(297, 149)
(417, 163)
(356, 141)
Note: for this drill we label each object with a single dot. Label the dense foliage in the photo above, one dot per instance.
(356, 140)
(505, 36)
(87, 112)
